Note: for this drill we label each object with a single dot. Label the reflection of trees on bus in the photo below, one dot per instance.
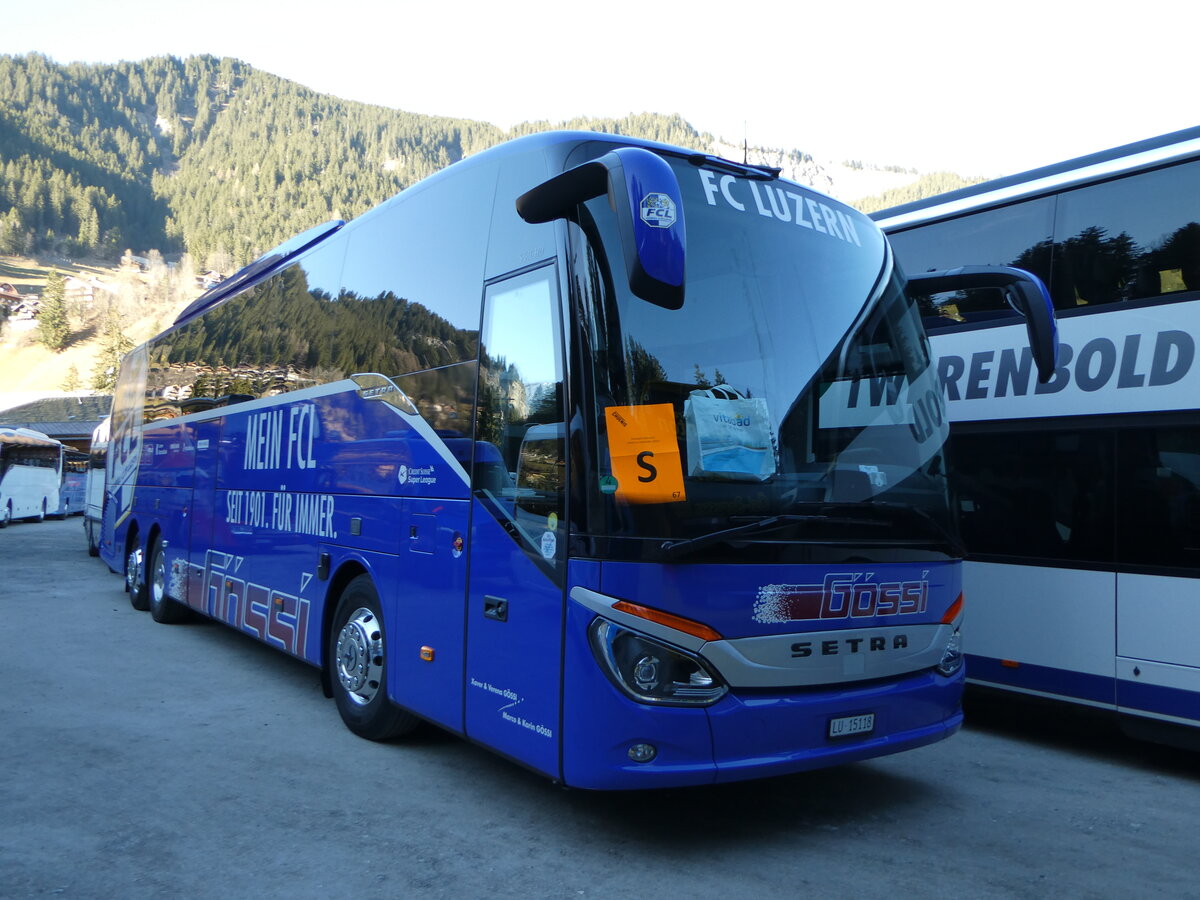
(284, 336)
(1090, 268)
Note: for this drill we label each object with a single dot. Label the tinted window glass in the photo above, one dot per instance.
(1129, 496)
(1159, 499)
(425, 248)
(279, 336)
(1038, 495)
(1017, 235)
(1128, 239)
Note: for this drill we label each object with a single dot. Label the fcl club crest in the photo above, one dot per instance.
(658, 210)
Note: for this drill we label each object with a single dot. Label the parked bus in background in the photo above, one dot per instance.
(72, 491)
(567, 449)
(1079, 500)
(30, 474)
(93, 507)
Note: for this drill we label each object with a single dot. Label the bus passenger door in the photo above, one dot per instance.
(206, 435)
(1158, 603)
(518, 551)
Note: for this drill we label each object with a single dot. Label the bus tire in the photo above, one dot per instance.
(163, 608)
(135, 581)
(6, 517)
(358, 666)
(93, 547)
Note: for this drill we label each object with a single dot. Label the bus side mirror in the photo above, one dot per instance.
(1024, 292)
(644, 193)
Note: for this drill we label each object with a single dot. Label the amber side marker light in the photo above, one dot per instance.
(427, 653)
(953, 612)
(1010, 664)
(679, 623)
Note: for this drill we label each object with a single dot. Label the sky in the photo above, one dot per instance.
(979, 88)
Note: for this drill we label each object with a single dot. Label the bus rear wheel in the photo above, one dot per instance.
(135, 582)
(357, 657)
(163, 608)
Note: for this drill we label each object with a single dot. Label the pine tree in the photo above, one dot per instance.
(53, 328)
(114, 345)
(71, 380)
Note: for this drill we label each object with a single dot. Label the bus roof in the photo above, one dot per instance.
(26, 437)
(1094, 166)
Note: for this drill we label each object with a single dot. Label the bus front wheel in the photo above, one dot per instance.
(6, 516)
(358, 666)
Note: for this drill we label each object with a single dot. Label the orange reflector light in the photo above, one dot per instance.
(1010, 664)
(954, 611)
(427, 653)
(679, 623)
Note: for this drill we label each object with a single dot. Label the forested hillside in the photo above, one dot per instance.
(212, 157)
(919, 189)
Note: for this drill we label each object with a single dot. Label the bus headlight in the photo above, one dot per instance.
(952, 656)
(652, 672)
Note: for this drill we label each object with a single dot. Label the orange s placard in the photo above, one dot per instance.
(645, 453)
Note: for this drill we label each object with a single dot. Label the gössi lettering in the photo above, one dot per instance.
(277, 617)
(773, 202)
(281, 438)
(1134, 361)
(841, 595)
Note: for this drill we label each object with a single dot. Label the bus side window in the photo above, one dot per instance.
(1130, 238)
(1016, 235)
(1158, 512)
(1037, 495)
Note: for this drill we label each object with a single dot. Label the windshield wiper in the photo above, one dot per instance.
(758, 526)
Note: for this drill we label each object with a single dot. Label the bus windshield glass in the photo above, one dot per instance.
(771, 411)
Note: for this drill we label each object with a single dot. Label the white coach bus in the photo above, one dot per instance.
(1079, 499)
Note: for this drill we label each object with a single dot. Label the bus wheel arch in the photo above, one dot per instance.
(357, 657)
(6, 515)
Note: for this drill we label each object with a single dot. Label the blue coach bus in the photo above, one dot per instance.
(566, 449)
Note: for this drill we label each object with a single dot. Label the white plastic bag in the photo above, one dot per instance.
(728, 436)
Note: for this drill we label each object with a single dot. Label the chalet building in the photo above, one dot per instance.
(80, 291)
(69, 419)
(9, 294)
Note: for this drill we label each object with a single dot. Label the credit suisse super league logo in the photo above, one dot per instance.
(658, 210)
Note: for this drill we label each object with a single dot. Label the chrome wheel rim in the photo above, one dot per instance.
(158, 579)
(359, 656)
(133, 570)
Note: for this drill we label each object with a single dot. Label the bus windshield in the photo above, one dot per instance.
(771, 413)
